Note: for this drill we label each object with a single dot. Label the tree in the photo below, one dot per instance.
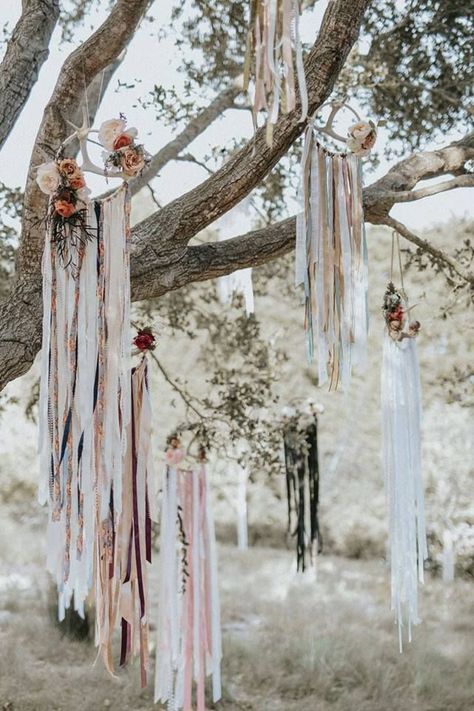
(163, 260)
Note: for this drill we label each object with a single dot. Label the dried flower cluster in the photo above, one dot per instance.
(64, 182)
(122, 154)
(361, 138)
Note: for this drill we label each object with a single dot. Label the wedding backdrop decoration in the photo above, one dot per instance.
(189, 635)
(273, 51)
(86, 395)
(300, 440)
(401, 421)
(331, 251)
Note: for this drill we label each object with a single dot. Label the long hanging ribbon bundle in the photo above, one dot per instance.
(273, 51)
(94, 415)
(189, 637)
(300, 440)
(401, 416)
(135, 525)
(331, 260)
(87, 432)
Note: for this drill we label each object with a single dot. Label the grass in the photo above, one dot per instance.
(290, 643)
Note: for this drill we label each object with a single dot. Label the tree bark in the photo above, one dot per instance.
(78, 71)
(27, 50)
(162, 260)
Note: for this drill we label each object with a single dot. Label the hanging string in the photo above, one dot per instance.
(396, 236)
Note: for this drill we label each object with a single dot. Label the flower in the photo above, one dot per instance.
(78, 182)
(69, 168)
(122, 141)
(360, 130)
(47, 177)
(113, 129)
(64, 208)
(361, 138)
(144, 340)
(132, 161)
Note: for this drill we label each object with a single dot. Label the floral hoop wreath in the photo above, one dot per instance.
(62, 179)
(361, 135)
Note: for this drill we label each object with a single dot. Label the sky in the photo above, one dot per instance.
(153, 60)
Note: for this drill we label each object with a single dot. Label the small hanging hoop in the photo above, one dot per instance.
(328, 129)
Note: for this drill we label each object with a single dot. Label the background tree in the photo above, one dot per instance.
(410, 67)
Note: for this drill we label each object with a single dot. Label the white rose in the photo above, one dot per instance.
(354, 144)
(109, 131)
(47, 177)
(360, 130)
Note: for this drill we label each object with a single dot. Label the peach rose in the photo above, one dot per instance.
(132, 162)
(77, 182)
(122, 141)
(69, 168)
(47, 177)
(64, 208)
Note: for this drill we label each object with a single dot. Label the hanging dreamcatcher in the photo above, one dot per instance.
(273, 53)
(87, 398)
(189, 637)
(401, 415)
(331, 252)
(300, 439)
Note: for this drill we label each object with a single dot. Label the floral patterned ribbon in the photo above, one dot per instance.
(93, 444)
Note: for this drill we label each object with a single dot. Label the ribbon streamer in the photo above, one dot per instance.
(401, 419)
(273, 51)
(331, 260)
(300, 439)
(189, 636)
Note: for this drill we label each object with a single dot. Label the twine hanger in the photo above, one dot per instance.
(396, 236)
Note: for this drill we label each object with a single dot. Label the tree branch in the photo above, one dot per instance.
(192, 212)
(224, 100)
(462, 181)
(438, 254)
(78, 71)
(27, 50)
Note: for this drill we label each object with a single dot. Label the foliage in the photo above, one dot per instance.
(10, 211)
(417, 72)
(238, 366)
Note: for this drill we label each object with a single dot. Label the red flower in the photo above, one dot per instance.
(144, 340)
(122, 141)
(396, 315)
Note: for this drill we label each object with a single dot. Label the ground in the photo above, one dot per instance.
(291, 643)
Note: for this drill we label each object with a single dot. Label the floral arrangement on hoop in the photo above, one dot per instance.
(64, 182)
(361, 137)
(396, 314)
(122, 155)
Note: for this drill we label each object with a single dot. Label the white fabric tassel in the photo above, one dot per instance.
(401, 414)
